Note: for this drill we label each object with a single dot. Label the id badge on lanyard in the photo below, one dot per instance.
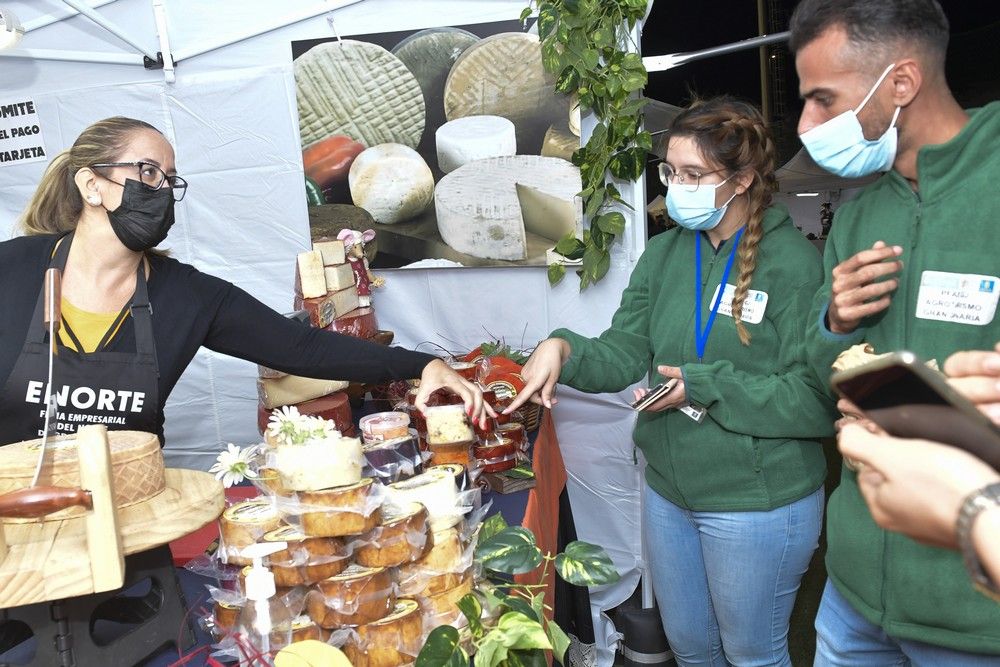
(697, 413)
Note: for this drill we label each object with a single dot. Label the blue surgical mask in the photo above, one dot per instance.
(840, 147)
(696, 209)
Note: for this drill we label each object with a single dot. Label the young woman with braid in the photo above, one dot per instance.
(734, 476)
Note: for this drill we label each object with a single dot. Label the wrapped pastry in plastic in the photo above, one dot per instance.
(403, 537)
(336, 512)
(435, 489)
(390, 641)
(356, 596)
(447, 563)
(306, 560)
(448, 424)
(244, 524)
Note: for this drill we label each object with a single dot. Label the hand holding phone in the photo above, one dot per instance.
(909, 400)
(654, 394)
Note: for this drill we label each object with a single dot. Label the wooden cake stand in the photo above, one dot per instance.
(42, 561)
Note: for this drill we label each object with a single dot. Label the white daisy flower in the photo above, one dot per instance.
(233, 465)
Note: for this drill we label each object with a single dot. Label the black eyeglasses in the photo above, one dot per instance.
(151, 176)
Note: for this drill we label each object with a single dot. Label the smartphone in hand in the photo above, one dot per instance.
(909, 400)
(654, 394)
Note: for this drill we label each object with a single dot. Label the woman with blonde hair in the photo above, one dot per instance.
(734, 499)
(133, 318)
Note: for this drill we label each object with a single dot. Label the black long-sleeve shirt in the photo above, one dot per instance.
(193, 309)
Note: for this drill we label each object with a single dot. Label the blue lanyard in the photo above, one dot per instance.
(700, 336)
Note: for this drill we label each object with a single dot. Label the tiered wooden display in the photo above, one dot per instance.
(46, 558)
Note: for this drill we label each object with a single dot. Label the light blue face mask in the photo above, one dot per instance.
(840, 147)
(695, 209)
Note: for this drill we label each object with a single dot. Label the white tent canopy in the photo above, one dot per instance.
(230, 113)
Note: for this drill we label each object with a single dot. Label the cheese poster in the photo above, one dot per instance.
(451, 143)
(21, 139)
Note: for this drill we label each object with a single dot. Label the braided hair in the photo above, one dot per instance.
(732, 134)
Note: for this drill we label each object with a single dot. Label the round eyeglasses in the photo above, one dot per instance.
(151, 176)
(687, 179)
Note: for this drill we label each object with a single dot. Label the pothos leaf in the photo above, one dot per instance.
(491, 526)
(586, 564)
(471, 608)
(559, 640)
(511, 551)
(556, 273)
(442, 649)
(520, 631)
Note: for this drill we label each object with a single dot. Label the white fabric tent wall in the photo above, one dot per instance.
(231, 117)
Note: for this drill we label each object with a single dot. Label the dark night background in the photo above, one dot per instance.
(973, 55)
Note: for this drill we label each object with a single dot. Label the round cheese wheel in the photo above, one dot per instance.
(463, 140)
(356, 596)
(360, 90)
(334, 461)
(392, 182)
(403, 537)
(503, 75)
(391, 641)
(307, 559)
(244, 524)
(346, 514)
(429, 55)
(137, 472)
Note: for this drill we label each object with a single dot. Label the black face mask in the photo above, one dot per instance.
(144, 217)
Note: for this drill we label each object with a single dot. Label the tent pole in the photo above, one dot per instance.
(43, 21)
(277, 24)
(671, 60)
(114, 29)
(159, 13)
(75, 56)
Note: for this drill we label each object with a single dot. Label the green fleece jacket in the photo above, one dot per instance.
(756, 448)
(951, 226)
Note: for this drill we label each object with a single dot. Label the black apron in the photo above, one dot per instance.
(118, 389)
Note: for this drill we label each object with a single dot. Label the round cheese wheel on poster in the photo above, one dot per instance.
(392, 182)
(471, 138)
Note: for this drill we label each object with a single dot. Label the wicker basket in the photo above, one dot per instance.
(136, 468)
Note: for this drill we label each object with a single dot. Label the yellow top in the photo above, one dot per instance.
(88, 327)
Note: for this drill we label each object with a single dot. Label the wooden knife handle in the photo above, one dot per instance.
(37, 501)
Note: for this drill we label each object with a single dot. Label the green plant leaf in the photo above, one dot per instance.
(596, 263)
(531, 658)
(511, 551)
(521, 472)
(586, 564)
(612, 223)
(547, 20)
(644, 140)
(591, 58)
(491, 526)
(442, 649)
(525, 14)
(595, 203)
(572, 6)
(634, 81)
(559, 641)
(520, 605)
(570, 247)
(622, 165)
(568, 80)
(470, 606)
(521, 631)
(556, 273)
(491, 651)
(633, 106)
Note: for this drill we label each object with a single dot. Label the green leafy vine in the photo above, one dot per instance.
(586, 44)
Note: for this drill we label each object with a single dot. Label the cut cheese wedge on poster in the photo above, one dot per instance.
(481, 210)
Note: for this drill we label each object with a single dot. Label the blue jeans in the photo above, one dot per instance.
(845, 639)
(726, 582)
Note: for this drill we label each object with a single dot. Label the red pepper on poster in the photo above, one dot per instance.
(328, 160)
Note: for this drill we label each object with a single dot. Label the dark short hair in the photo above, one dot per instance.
(872, 24)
